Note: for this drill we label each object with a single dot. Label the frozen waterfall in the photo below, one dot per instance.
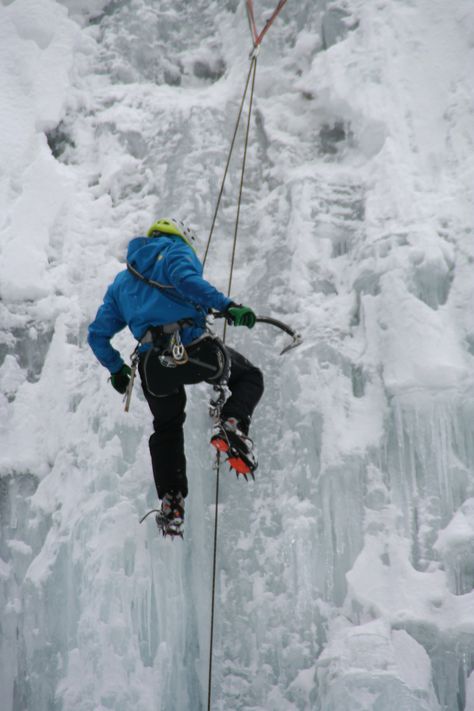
(346, 571)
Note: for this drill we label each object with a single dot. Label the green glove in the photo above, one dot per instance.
(239, 315)
(121, 379)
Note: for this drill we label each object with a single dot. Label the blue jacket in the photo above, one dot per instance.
(133, 303)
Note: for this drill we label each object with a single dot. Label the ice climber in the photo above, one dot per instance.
(164, 300)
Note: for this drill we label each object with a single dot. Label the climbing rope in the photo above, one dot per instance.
(258, 36)
(252, 72)
(231, 150)
(257, 39)
(241, 187)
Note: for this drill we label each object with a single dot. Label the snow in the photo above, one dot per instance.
(37, 41)
(345, 573)
(370, 666)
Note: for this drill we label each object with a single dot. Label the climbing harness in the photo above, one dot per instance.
(206, 360)
(172, 355)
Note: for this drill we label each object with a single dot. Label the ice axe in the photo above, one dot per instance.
(297, 338)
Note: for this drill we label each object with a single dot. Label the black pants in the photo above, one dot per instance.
(168, 409)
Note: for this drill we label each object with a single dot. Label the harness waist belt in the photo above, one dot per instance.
(154, 332)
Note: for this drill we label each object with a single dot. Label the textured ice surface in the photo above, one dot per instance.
(345, 573)
(370, 666)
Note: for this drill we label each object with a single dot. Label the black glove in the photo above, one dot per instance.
(239, 315)
(121, 379)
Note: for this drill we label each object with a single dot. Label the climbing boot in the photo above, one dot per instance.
(171, 517)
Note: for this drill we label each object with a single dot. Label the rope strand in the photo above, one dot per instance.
(270, 21)
(213, 595)
(257, 38)
(231, 149)
(242, 174)
(252, 71)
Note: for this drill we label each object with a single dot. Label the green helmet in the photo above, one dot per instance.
(171, 226)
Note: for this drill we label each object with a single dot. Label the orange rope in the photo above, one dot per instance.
(258, 37)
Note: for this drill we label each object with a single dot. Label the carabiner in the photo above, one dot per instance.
(178, 351)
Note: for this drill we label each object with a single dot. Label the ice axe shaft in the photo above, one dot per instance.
(297, 338)
(131, 382)
(128, 392)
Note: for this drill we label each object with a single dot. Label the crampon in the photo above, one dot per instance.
(170, 517)
(169, 528)
(228, 439)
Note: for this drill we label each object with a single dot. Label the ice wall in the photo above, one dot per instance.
(345, 573)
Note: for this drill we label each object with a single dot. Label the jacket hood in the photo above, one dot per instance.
(142, 252)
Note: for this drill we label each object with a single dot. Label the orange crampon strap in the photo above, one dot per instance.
(258, 36)
(234, 461)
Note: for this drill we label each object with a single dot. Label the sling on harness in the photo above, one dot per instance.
(143, 278)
